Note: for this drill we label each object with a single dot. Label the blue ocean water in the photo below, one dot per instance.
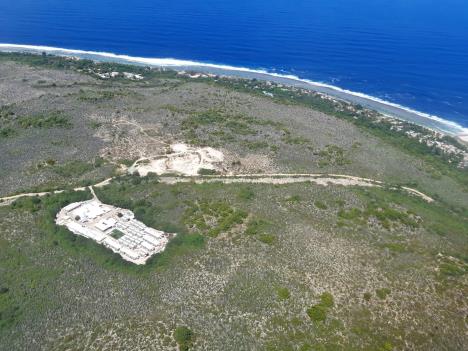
(410, 52)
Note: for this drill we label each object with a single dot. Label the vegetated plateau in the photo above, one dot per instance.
(298, 266)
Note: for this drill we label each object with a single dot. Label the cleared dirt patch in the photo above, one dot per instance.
(184, 160)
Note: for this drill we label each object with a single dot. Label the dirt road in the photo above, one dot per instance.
(276, 178)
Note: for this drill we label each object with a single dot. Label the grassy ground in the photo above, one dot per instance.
(284, 267)
(319, 283)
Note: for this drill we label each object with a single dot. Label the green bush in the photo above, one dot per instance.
(386, 216)
(73, 168)
(294, 198)
(29, 204)
(181, 244)
(451, 269)
(51, 120)
(326, 300)
(212, 218)
(351, 214)
(256, 226)
(94, 124)
(317, 313)
(283, 293)
(256, 145)
(184, 338)
(7, 132)
(382, 293)
(245, 193)
(9, 313)
(216, 127)
(266, 238)
(96, 96)
(206, 171)
(294, 140)
(333, 154)
(395, 247)
(320, 205)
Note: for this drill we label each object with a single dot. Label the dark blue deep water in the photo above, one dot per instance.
(411, 52)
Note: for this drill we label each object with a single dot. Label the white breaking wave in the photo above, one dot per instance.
(171, 62)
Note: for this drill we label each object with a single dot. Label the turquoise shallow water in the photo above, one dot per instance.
(411, 53)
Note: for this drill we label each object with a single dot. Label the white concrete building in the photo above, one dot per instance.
(115, 228)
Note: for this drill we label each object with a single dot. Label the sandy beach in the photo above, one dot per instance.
(463, 138)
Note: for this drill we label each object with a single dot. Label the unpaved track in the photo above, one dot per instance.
(276, 178)
(273, 179)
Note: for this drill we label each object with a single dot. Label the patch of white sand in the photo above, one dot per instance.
(463, 137)
(184, 160)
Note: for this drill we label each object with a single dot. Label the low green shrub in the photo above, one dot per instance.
(184, 338)
(266, 238)
(451, 269)
(294, 198)
(320, 205)
(317, 313)
(382, 293)
(212, 218)
(46, 120)
(283, 293)
(326, 300)
(7, 132)
(245, 193)
(73, 168)
(206, 171)
(256, 226)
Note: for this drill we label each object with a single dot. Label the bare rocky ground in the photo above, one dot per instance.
(394, 264)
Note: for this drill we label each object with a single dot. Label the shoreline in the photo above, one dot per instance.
(386, 108)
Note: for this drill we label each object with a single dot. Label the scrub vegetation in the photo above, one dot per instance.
(252, 266)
